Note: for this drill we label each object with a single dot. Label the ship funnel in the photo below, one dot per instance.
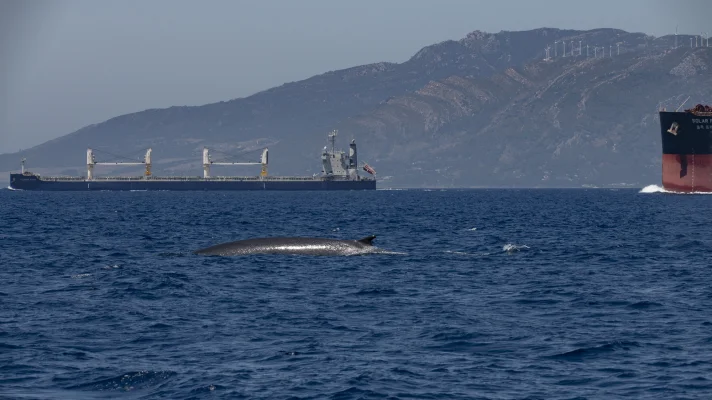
(353, 157)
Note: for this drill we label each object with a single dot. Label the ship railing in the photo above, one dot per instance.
(61, 178)
(195, 178)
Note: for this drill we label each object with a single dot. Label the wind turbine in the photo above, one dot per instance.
(675, 36)
(564, 42)
(556, 54)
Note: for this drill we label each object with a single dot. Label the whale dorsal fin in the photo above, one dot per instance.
(367, 240)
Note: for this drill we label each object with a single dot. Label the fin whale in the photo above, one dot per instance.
(291, 245)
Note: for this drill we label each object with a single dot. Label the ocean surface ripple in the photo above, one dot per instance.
(485, 294)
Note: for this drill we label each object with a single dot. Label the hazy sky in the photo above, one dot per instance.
(65, 64)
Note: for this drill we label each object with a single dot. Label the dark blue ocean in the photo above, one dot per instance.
(499, 294)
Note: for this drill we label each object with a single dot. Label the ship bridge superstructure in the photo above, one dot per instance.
(336, 163)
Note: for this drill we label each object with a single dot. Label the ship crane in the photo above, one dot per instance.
(207, 162)
(91, 162)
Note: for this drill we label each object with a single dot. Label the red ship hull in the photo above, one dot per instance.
(687, 173)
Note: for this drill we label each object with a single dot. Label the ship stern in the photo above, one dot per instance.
(24, 182)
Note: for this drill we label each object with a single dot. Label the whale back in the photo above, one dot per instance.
(288, 245)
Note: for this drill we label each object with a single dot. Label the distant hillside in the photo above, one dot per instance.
(486, 110)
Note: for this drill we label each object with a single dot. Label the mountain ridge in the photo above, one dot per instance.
(459, 113)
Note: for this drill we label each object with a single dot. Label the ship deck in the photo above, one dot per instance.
(191, 179)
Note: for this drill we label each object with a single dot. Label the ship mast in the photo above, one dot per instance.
(23, 166)
(332, 139)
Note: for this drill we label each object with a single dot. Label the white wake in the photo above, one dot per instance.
(653, 189)
(660, 189)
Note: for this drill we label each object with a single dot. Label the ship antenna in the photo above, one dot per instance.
(332, 138)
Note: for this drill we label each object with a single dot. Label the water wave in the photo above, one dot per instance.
(129, 381)
(583, 353)
(464, 253)
(533, 302)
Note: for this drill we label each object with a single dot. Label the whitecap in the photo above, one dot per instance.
(511, 248)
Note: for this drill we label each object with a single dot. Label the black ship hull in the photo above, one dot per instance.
(33, 182)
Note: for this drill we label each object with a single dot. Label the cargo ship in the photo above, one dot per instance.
(339, 172)
(687, 149)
